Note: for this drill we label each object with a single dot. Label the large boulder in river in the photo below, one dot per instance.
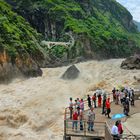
(71, 73)
(132, 62)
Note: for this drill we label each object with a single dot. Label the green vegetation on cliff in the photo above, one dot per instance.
(101, 28)
(17, 37)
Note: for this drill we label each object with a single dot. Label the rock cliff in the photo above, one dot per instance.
(102, 29)
(20, 53)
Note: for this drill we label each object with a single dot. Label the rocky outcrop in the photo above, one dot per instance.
(71, 73)
(132, 62)
(20, 51)
(24, 66)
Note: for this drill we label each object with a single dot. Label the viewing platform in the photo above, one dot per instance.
(102, 124)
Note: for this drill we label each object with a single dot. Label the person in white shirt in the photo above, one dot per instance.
(115, 132)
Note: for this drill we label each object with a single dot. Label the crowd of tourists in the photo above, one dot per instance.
(100, 99)
(125, 96)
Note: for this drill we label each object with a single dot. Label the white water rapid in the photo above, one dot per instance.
(32, 109)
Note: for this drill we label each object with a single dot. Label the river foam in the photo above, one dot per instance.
(32, 109)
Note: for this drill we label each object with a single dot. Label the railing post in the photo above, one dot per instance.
(65, 129)
(84, 128)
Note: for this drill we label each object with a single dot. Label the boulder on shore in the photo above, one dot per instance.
(71, 73)
(22, 65)
(132, 62)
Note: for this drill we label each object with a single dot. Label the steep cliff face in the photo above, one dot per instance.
(101, 28)
(20, 53)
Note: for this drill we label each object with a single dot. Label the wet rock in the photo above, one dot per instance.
(71, 73)
(132, 62)
(137, 79)
(79, 59)
(22, 66)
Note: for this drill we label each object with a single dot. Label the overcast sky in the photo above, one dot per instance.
(133, 7)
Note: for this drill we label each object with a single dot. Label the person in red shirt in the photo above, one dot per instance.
(99, 100)
(120, 129)
(75, 120)
(94, 100)
(108, 109)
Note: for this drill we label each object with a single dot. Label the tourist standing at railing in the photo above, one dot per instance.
(75, 120)
(75, 104)
(104, 103)
(91, 119)
(78, 102)
(89, 101)
(115, 132)
(71, 108)
(99, 100)
(113, 92)
(82, 104)
(81, 119)
(94, 100)
(78, 106)
(108, 109)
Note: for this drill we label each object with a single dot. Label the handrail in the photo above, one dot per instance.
(107, 130)
(99, 129)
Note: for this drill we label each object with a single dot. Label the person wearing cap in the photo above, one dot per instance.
(91, 118)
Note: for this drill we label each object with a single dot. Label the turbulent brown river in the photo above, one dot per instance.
(32, 109)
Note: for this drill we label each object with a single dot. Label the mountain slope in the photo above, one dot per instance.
(100, 28)
(137, 24)
(19, 49)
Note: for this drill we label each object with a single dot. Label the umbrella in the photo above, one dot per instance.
(117, 116)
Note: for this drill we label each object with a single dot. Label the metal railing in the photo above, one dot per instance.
(67, 112)
(99, 129)
(102, 129)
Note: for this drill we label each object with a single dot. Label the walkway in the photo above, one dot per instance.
(101, 122)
